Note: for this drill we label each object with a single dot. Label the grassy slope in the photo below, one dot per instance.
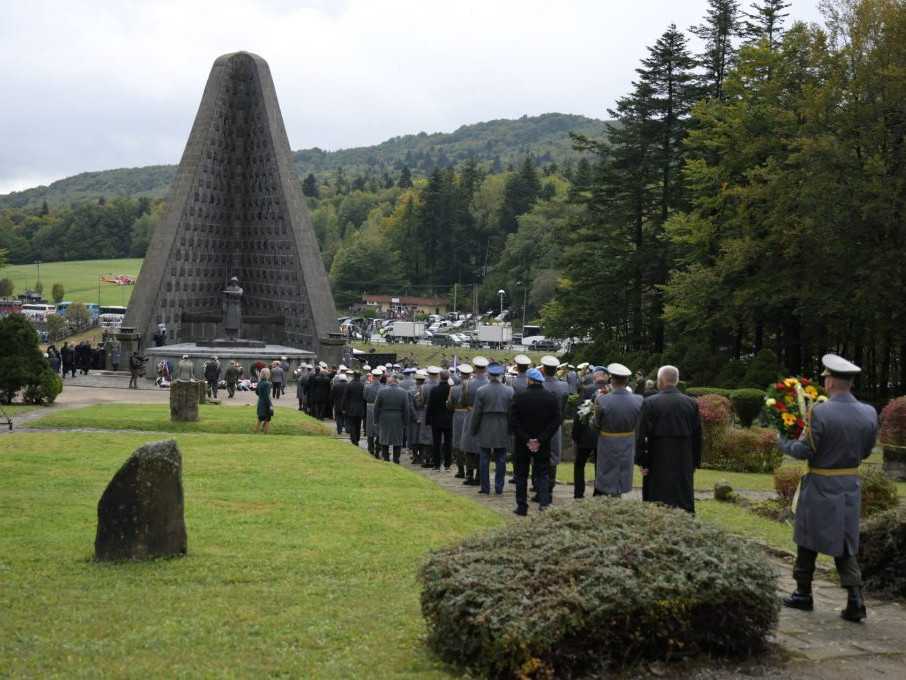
(302, 561)
(79, 278)
(213, 419)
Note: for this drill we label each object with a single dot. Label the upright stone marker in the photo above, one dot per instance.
(184, 399)
(236, 209)
(140, 514)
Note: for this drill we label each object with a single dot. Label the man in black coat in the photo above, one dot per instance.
(534, 418)
(669, 445)
(354, 407)
(337, 395)
(585, 437)
(440, 419)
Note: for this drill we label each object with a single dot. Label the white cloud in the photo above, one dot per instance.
(94, 85)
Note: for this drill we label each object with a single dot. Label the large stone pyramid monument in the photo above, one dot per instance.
(235, 209)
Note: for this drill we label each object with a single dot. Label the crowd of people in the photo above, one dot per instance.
(81, 357)
(475, 414)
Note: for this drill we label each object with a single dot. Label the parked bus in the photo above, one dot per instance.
(38, 312)
(111, 316)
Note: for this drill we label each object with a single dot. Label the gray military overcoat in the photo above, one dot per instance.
(459, 413)
(371, 392)
(468, 443)
(424, 432)
(391, 413)
(616, 417)
(842, 434)
(490, 421)
(561, 391)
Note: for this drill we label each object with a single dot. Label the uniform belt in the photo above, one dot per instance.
(616, 434)
(465, 408)
(833, 472)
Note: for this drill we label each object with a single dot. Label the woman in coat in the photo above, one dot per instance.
(265, 405)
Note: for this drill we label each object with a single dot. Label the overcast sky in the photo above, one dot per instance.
(98, 85)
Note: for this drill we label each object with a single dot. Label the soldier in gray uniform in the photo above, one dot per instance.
(371, 393)
(560, 389)
(519, 382)
(617, 418)
(425, 436)
(572, 379)
(460, 411)
(391, 413)
(417, 408)
(838, 436)
(469, 443)
(490, 425)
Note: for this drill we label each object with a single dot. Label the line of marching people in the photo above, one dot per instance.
(484, 412)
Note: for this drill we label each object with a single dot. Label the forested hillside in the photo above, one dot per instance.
(495, 144)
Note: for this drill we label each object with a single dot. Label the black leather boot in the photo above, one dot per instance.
(801, 598)
(855, 606)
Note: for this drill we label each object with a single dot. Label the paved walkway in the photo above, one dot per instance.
(809, 645)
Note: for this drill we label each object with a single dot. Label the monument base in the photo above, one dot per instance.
(199, 354)
(232, 343)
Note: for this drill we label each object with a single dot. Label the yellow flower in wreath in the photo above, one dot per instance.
(791, 382)
(789, 419)
(811, 392)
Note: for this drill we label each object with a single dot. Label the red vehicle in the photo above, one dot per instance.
(10, 306)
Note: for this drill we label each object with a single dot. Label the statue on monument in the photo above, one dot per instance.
(232, 309)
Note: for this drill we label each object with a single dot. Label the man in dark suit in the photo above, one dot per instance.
(669, 444)
(440, 419)
(337, 396)
(534, 418)
(354, 407)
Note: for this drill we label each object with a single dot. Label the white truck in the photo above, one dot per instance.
(495, 335)
(405, 331)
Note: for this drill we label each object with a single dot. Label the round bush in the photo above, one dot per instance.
(716, 414)
(893, 422)
(879, 493)
(747, 403)
(596, 584)
(44, 390)
(786, 481)
(882, 552)
(751, 450)
(702, 391)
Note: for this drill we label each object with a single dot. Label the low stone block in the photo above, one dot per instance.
(141, 512)
(184, 401)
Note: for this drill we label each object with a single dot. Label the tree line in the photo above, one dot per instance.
(749, 200)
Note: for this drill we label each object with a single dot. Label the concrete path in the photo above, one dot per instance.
(809, 645)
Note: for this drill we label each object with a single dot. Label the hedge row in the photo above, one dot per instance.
(593, 586)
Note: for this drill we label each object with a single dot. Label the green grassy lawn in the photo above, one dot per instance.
(213, 419)
(426, 355)
(79, 278)
(302, 561)
(18, 409)
(704, 478)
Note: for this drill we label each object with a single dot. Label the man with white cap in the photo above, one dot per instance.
(572, 379)
(460, 412)
(520, 380)
(417, 403)
(391, 413)
(559, 389)
(839, 434)
(490, 426)
(617, 418)
(371, 394)
(337, 396)
(469, 443)
(425, 436)
(354, 408)
(439, 418)
(585, 435)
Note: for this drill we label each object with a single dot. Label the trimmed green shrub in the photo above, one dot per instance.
(879, 493)
(702, 391)
(716, 414)
(594, 585)
(893, 438)
(786, 481)
(751, 450)
(20, 358)
(44, 390)
(747, 403)
(732, 373)
(724, 493)
(763, 369)
(882, 552)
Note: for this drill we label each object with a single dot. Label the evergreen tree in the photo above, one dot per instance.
(522, 190)
(405, 180)
(720, 28)
(765, 22)
(310, 186)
